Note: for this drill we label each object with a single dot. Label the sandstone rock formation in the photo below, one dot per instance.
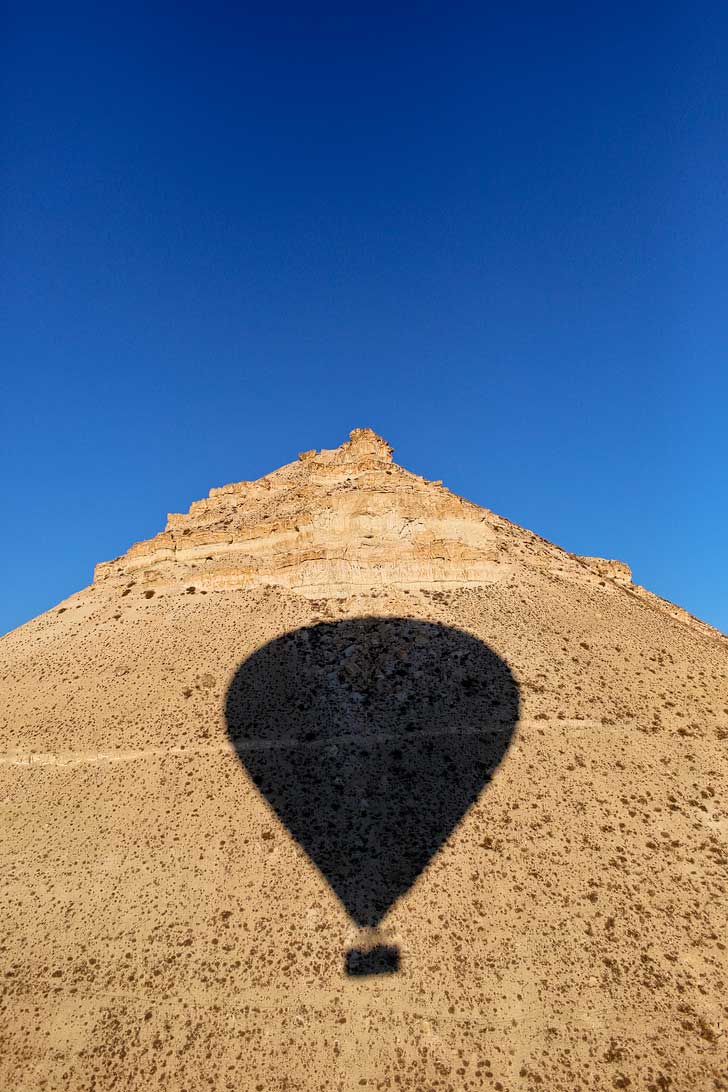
(342, 781)
(324, 525)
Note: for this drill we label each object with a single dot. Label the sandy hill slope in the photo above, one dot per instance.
(342, 781)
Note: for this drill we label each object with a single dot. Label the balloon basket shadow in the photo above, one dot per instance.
(372, 956)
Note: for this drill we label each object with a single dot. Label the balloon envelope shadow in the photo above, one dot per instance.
(370, 738)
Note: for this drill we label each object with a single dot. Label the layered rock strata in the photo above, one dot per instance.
(345, 519)
(333, 521)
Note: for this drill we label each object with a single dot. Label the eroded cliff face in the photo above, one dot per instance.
(344, 520)
(331, 522)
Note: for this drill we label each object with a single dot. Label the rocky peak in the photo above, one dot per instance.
(342, 520)
(363, 447)
(333, 520)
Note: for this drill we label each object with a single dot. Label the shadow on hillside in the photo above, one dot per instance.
(370, 738)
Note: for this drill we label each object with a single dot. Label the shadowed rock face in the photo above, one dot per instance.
(370, 738)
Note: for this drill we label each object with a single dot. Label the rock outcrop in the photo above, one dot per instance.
(327, 524)
(613, 570)
(347, 519)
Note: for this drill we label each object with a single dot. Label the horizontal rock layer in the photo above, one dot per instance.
(330, 522)
(343, 520)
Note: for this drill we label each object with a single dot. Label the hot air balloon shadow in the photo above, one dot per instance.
(370, 738)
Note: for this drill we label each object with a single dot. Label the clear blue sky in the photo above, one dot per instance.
(496, 234)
